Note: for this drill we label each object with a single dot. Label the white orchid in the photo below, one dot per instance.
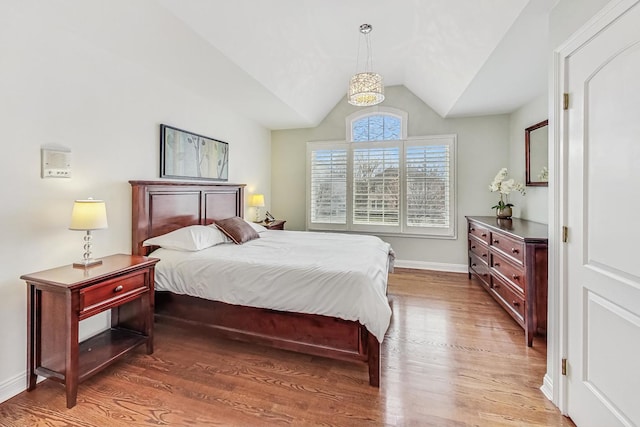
(505, 187)
(544, 174)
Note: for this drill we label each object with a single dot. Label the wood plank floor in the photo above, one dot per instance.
(451, 357)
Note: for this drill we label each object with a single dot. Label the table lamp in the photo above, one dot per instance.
(88, 215)
(257, 201)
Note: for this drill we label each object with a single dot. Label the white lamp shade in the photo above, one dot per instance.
(88, 215)
(257, 200)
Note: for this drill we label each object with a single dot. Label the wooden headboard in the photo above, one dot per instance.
(159, 207)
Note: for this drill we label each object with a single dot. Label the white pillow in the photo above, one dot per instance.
(259, 228)
(191, 238)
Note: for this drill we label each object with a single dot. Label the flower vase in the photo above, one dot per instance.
(504, 212)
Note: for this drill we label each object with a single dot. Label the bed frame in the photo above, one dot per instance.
(162, 206)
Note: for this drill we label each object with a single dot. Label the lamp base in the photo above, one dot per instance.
(87, 263)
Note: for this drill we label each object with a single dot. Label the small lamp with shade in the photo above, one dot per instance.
(88, 215)
(257, 201)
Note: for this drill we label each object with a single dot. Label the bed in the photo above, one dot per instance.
(159, 207)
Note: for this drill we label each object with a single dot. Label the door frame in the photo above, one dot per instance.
(555, 385)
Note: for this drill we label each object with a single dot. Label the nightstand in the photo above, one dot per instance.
(277, 224)
(58, 299)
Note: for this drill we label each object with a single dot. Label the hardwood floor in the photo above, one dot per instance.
(451, 357)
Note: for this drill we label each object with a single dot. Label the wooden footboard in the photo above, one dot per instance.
(306, 333)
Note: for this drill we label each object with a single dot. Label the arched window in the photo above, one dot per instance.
(377, 124)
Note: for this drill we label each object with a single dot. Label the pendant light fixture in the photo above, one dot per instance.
(365, 88)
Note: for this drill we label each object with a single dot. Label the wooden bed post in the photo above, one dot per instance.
(373, 360)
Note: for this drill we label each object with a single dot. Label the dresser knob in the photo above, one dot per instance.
(515, 276)
(514, 251)
(496, 286)
(484, 255)
(496, 241)
(515, 303)
(473, 229)
(496, 264)
(118, 288)
(473, 265)
(473, 246)
(484, 234)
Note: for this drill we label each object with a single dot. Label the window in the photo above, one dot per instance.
(381, 181)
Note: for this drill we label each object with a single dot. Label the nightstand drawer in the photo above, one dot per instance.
(93, 298)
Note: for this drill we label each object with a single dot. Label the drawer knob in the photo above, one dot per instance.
(496, 286)
(515, 250)
(473, 246)
(484, 235)
(473, 229)
(515, 303)
(484, 255)
(515, 276)
(118, 288)
(496, 241)
(496, 264)
(473, 265)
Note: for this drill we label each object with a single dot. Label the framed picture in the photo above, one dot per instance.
(187, 155)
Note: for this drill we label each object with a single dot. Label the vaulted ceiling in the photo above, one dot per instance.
(461, 57)
(287, 63)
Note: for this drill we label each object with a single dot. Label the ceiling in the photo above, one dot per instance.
(286, 63)
(461, 57)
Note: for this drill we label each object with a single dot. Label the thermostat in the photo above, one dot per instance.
(56, 163)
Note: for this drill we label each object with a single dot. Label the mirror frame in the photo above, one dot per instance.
(527, 148)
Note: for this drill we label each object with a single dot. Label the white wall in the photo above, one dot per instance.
(483, 148)
(58, 87)
(534, 205)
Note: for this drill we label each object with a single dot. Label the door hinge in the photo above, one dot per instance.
(565, 234)
(565, 104)
(564, 366)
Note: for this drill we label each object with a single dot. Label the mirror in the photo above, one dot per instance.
(536, 140)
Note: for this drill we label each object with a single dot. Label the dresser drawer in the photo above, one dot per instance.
(480, 232)
(506, 268)
(509, 297)
(480, 268)
(509, 246)
(93, 298)
(479, 249)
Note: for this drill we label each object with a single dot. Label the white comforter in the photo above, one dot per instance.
(330, 274)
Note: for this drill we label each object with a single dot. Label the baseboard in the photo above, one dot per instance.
(13, 386)
(437, 266)
(547, 387)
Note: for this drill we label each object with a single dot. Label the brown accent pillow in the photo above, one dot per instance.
(237, 229)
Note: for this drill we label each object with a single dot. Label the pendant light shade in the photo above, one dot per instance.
(365, 88)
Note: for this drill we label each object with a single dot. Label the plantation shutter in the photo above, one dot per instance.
(376, 183)
(429, 187)
(328, 185)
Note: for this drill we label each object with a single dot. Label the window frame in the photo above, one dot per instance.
(403, 229)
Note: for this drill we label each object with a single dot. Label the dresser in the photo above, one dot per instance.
(508, 257)
(58, 299)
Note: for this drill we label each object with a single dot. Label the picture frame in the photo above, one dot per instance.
(187, 155)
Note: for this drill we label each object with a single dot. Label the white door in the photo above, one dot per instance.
(602, 124)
